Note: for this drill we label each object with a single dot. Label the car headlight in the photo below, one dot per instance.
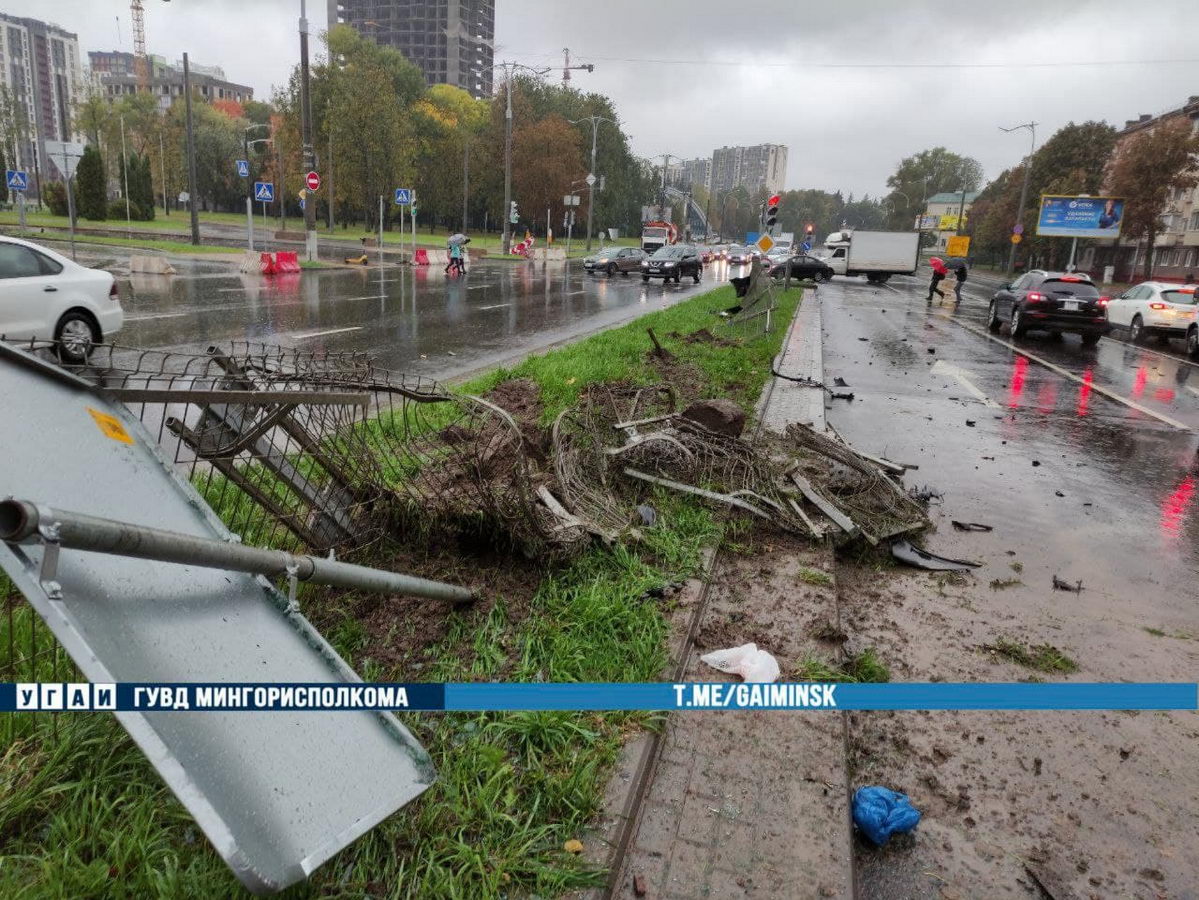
(667, 265)
(644, 262)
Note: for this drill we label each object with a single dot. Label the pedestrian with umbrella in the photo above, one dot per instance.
(456, 245)
(940, 270)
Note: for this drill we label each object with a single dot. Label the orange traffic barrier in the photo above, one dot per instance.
(422, 257)
(268, 264)
(286, 261)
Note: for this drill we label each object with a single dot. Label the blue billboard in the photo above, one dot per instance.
(1080, 217)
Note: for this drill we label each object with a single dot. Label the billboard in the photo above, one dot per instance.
(949, 222)
(1080, 217)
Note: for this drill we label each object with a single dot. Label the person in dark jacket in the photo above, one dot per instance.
(939, 272)
(959, 272)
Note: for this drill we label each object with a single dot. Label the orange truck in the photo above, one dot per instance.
(656, 234)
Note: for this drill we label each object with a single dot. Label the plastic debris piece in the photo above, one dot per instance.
(970, 526)
(907, 552)
(648, 514)
(880, 812)
(840, 382)
(752, 664)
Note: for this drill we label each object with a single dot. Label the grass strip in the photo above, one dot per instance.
(86, 815)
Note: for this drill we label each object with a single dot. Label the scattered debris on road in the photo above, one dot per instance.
(908, 553)
(752, 664)
(1060, 584)
(970, 526)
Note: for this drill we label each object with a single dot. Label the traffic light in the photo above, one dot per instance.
(772, 211)
(808, 229)
(513, 215)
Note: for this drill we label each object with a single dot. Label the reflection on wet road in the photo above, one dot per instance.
(1060, 451)
(410, 319)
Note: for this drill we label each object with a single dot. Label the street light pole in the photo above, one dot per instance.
(125, 182)
(191, 154)
(509, 68)
(1032, 127)
(246, 144)
(591, 176)
(310, 246)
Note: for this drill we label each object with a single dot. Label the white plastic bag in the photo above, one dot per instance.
(748, 661)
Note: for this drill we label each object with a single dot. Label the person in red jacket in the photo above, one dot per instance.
(939, 272)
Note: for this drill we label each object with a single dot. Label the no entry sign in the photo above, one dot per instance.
(313, 181)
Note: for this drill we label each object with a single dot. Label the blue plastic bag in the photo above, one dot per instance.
(881, 812)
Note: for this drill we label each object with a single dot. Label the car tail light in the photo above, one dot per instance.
(1034, 297)
(113, 294)
(1157, 306)
(1069, 278)
(1104, 301)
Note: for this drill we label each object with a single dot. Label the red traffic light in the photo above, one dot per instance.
(773, 201)
(809, 228)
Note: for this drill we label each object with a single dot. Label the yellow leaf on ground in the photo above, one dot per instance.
(573, 846)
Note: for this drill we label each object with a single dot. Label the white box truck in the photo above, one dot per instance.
(876, 254)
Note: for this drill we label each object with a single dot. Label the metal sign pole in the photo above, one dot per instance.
(70, 204)
(381, 229)
(21, 207)
(412, 209)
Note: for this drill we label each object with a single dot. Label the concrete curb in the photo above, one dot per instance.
(802, 358)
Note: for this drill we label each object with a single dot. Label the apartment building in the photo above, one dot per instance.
(451, 41)
(115, 74)
(42, 75)
(760, 166)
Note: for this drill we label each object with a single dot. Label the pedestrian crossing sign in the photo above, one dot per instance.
(264, 191)
(243, 168)
(16, 180)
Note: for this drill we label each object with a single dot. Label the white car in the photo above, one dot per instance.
(1160, 308)
(44, 296)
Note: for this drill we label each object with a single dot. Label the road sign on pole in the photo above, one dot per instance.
(1016, 238)
(764, 243)
(243, 168)
(403, 196)
(1017, 229)
(313, 181)
(16, 180)
(264, 191)
(806, 246)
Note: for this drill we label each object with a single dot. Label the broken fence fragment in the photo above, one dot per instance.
(909, 553)
(880, 812)
(752, 664)
(1060, 584)
(970, 526)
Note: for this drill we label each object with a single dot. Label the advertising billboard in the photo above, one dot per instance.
(1080, 217)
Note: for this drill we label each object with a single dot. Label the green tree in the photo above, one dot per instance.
(447, 123)
(1147, 170)
(91, 186)
(924, 174)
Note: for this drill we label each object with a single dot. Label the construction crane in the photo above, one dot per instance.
(140, 61)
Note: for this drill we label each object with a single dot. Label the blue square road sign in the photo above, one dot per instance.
(403, 196)
(243, 168)
(16, 180)
(264, 191)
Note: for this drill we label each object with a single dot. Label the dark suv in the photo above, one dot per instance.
(1051, 301)
(673, 261)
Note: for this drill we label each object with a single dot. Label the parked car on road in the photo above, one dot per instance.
(740, 256)
(802, 266)
(1050, 301)
(706, 255)
(673, 261)
(45, 296)
(615, 259)
(1158, 308)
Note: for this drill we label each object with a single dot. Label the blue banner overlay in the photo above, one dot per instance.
(251, 697)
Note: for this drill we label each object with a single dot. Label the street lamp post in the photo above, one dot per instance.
(310, 246)
(191, 154)
(591, 176)
(510, 68)
(1032, 128)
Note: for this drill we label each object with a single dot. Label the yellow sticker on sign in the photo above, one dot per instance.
(111, 426)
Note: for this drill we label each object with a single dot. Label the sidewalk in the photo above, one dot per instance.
(754, 804)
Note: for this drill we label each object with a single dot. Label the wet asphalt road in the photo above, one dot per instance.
(1084, 460)
(414, 320)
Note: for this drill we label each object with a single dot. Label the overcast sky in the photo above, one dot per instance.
(840, 83)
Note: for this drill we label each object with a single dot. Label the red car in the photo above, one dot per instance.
(706, 254)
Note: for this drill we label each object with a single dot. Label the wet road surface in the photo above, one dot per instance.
(414, 320)
(1084, 463)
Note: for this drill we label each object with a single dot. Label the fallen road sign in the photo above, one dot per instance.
(277, 793)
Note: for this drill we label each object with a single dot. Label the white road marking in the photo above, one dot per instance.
(1193, 390)
(1177, 359)
(940, 367)
(1110, 394)
(312, 334)
(155, 316)
(495, 306)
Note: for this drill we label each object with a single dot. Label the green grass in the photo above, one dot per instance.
(1040, 657)
(861, 668)
(85, 815)
(178, 220)
(133, 243)
(815, 576)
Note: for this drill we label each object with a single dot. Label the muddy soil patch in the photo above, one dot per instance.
(702, 336)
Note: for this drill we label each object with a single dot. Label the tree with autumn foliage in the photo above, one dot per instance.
(448, 122)
(1147, 169)
(546, 158)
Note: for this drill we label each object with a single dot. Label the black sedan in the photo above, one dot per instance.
(672, 262)
(1050, 301)
(802, 266)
